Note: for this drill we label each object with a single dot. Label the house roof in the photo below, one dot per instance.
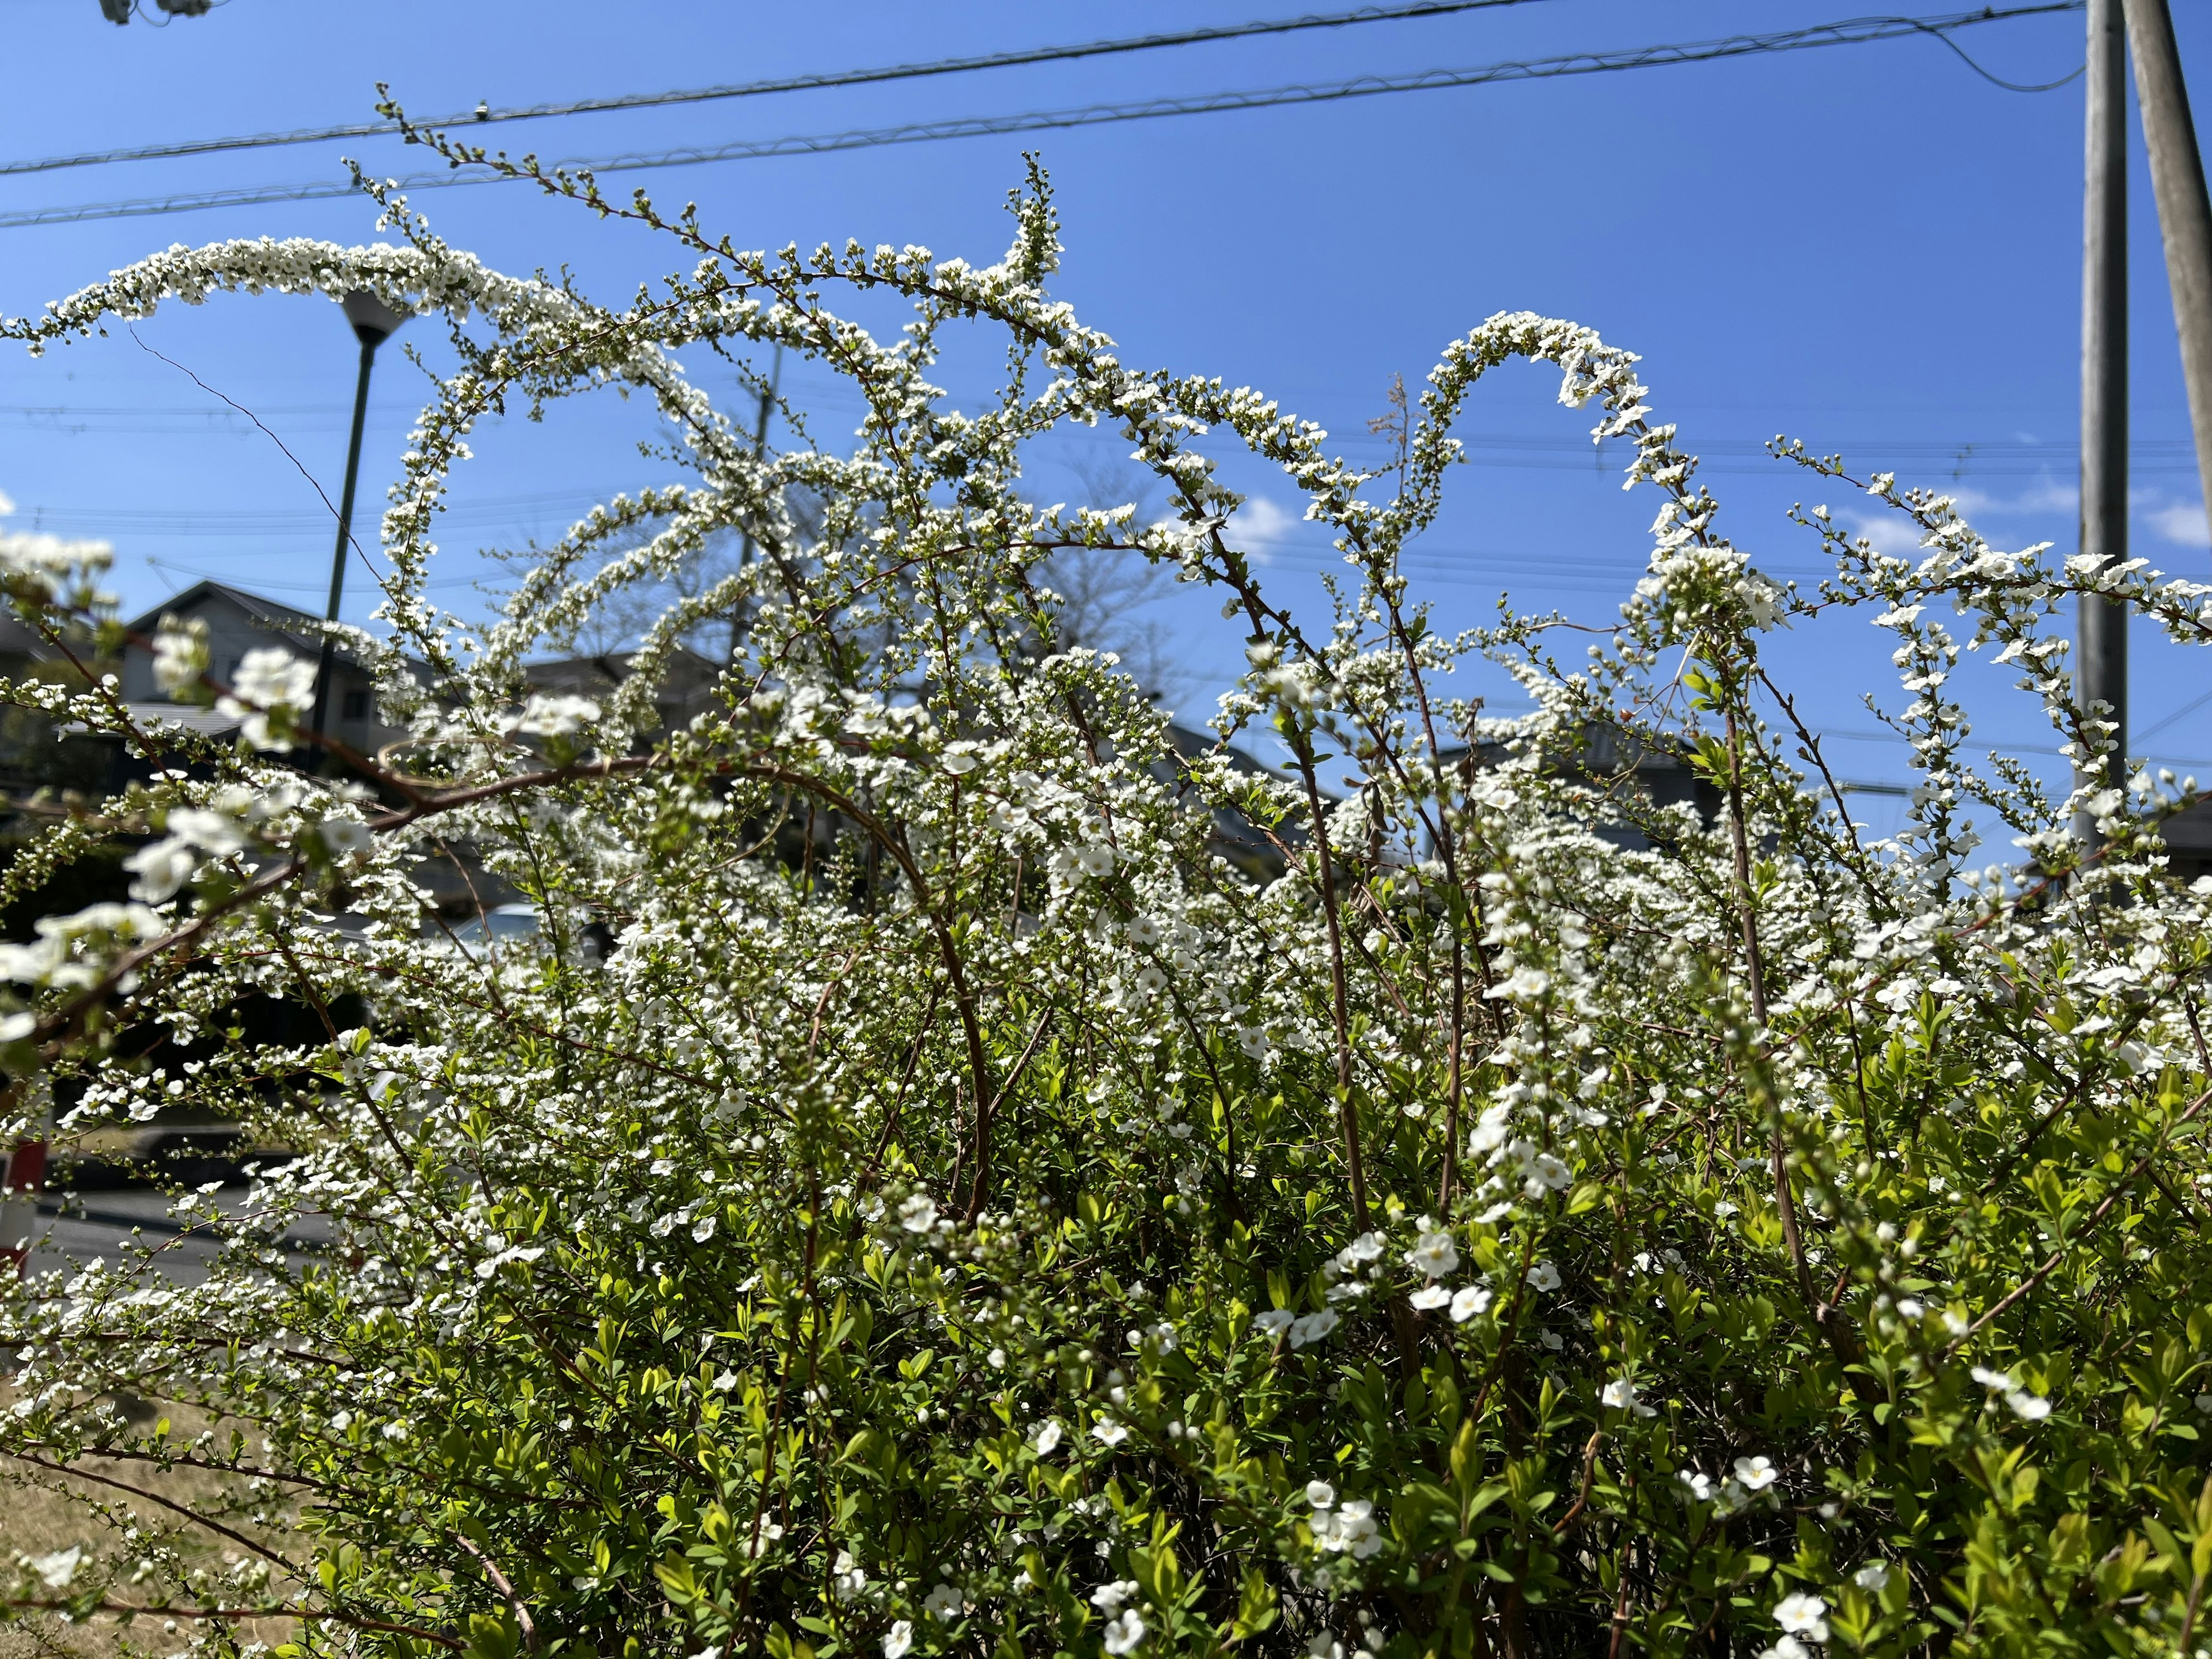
(613, 667)
(19, 639)
(2191, 831)
(275, 613)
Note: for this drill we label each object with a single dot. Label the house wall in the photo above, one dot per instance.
(232, 632)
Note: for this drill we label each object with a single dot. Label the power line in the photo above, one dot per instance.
(1852, 32)
(1936, 459)
(2157, 727)
(790, 83)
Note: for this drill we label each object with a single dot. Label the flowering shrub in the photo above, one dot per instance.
(965, 1214)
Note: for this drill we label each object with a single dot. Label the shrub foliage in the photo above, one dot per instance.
(969, 1211)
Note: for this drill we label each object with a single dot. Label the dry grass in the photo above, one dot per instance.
(35, 1519)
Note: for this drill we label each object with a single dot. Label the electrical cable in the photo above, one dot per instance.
(2065, 80)
(1552, 450)
(1851, 32)
(482, 113)
(2157, 727)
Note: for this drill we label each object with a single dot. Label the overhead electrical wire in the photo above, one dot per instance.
(1849, 32)
(859, 77)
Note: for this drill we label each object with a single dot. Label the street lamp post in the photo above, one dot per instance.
(374, 322)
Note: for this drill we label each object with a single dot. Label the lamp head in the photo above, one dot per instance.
(373, 320)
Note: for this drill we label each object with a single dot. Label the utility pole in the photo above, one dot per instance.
(2101, 670)
(2185, 215)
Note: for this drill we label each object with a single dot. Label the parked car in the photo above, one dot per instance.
(520, 927)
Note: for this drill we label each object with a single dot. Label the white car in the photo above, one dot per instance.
(515, 926)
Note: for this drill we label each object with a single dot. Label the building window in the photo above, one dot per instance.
(356, 706)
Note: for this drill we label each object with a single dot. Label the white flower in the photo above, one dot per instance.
(898, 1640)
(1107, 1431)
(1324, 1646)
(944, 1604)
(1803, 1615)
(1096, 860)
(43, 561)
(1491, 1129)
(702, 1229)
(1786, 1647)
(1430, 1296)
(58, 1568)
(1544, 1277)
(1526, 985)
(1048, 1436)
(770, 1532)
(1320, 1494)
(1761, 599)
(1756, 1473)
(1253, 1040)
(1108, 1598)
(917, 1212)
(545, 716)
(271, 684)
(342, 838)
(1123, 1633)
(1364, 1248)
(1543, 1171)
(1469, 1301)
(1620, 1394)
(960, 759)
(1350, 1529)
(161, 867)
(1312, 1328)
(1872, 1577)
(214, 832)
(181, 654)
(1274, 1321)
(1700, 1485)
(2033, 1407)
(1991, 1380)
(1435, 1255)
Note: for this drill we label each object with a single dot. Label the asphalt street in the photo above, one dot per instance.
(105, 1224)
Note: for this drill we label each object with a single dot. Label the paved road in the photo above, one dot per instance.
(99, 1224)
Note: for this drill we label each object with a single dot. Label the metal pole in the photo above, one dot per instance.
(760, 448)
(2101, 674)
(323, 663)
(2185, 214)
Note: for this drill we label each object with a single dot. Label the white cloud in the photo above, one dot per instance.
(2182, 523)
(2044, 495)
(6, 506)
(1891, 533)
(1261, 520)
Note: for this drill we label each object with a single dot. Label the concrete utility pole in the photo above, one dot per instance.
(2184, 215)
(2101, 667)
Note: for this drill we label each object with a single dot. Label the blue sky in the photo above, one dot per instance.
(1870, 247)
